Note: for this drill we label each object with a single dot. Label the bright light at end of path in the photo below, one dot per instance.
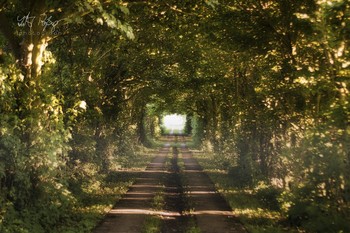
(174, 122)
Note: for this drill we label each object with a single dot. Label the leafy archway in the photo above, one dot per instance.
(265, 85)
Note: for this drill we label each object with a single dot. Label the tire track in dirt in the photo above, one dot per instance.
(212, 212)
(191, 199)
(130, 212)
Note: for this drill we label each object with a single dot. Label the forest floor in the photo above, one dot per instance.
(173, 194)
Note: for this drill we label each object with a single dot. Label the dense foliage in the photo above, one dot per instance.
(265, 84)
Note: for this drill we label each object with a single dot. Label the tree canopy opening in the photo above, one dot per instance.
(174, 123)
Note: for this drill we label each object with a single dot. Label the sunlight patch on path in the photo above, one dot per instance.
(144, 212)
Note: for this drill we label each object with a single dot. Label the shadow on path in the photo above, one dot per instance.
(130, 212)
(212, 212)
(190, 197)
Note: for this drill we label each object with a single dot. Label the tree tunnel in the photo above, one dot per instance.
(263, 85)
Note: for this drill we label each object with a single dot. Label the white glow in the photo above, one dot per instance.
(174, 122)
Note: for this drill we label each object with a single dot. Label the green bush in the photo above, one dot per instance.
(241, 176)
(268, 196)
(317, 217)
(317, 199)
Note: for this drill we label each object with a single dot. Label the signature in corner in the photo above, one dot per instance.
(45, 22)
(25, 20)
(48, 22)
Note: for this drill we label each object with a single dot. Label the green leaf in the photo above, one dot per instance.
(124, 9)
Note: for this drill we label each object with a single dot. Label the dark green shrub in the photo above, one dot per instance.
(317, 217)
(268, 196)
(241, 176)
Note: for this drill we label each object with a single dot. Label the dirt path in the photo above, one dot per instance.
(174, 199)
(191, 200)
(130, 212)
(210, 209)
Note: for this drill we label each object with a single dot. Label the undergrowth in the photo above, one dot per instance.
(79, 208)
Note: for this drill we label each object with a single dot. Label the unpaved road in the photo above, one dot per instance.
(211, 211)
(130, 212)
(191, 200)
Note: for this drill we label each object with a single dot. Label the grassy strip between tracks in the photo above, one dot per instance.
(153, 223)
(248, 205)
